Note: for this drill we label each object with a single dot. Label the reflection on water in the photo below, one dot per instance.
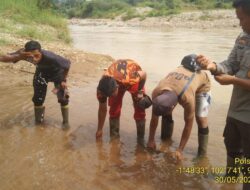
(45, 157)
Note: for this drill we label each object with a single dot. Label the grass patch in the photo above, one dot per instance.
(65, 36)
(26, 20)
(4, 42)
(31, 32)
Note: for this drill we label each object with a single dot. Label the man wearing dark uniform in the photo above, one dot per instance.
(236, 71)
(49, 68)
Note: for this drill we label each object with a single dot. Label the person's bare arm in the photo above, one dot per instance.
(143, 77)
(206, 63)
(14, 56)
(229, 66)
(186, 133)
(228, 79)
(153, 126)
(102, 112)
(9, 58)
(64, 81)
(188, 118)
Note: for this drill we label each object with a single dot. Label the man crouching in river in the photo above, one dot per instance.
(121, 76)
(190, 87)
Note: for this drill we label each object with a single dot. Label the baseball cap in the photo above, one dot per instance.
(164, 102)
(107, 85)
(190, 63)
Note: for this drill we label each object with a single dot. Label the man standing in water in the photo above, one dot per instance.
(49, 68)
(189, 87)
(236, 71)
(121, 76)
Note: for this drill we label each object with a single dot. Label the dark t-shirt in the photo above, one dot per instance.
(52, 66)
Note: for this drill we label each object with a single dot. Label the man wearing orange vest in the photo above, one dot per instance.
(121, 76)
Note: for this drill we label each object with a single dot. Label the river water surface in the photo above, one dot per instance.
(45, 157)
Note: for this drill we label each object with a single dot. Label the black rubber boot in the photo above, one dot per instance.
(114, 126)
(65, 116)
(167, 126)
(140, 126)
(39, 114)
(203, 142)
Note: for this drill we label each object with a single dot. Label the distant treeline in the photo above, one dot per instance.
(132, 8)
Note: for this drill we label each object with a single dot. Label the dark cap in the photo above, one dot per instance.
(32, 45)
(164, 103)
(107, 85)
(190, 63)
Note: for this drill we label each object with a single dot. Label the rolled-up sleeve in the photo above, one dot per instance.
(231, 65)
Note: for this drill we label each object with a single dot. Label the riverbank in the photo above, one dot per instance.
(197, 19)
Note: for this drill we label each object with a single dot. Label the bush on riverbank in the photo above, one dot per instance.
(24, 19)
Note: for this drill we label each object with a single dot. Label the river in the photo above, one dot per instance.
(45, 157)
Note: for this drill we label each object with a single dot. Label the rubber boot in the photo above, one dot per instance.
(167, 126)
(39, 114)
(114, 125)
(202, 142)
(65, 116)
(140, 126)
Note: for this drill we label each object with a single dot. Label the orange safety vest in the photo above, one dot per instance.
(124, 71)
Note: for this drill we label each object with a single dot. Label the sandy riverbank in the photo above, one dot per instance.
(197, 19)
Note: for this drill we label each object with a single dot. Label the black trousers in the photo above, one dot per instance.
(40, 83)
(237, 142)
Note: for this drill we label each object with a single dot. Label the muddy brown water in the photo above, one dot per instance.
(45, 157)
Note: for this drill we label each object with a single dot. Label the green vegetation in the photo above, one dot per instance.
(31, 19)
(129, 8)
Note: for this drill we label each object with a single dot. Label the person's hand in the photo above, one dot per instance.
(151, 145)
(98, 134)
(225, 79)
(140, 95)
(22, 55)
(17, 52)
(55, 90)
(177, 155)
(63, 85)
(206, 63)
